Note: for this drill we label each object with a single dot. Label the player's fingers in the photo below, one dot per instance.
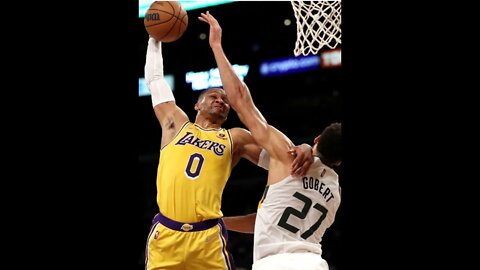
(203, 17)
(303, 170)
(295, 163)
(299, 172)
(294, 169)
(298, 167)
(305, 165)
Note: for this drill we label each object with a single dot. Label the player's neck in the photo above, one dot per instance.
(207, 123)
(324, 161)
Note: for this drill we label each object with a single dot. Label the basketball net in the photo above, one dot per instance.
(318, 25)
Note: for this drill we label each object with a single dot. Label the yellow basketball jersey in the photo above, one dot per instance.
(192, 172)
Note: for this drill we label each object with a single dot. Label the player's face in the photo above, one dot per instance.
(215, 102)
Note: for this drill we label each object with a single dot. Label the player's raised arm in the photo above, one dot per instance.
(237, 92)
(241, 101)
(170, 116)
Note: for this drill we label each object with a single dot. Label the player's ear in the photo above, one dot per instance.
(196, 107)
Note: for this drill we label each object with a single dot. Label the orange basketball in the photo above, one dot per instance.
(166, 21)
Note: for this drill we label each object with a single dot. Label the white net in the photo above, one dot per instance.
(318, 25)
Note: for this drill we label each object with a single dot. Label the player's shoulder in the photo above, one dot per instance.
(238, 131)
(240, 136)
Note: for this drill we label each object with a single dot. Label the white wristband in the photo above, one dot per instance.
(160, 91)
(154, 78)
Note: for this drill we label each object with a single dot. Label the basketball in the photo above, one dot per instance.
(166, 21)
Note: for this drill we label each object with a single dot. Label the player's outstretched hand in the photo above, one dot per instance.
(215, 37)
(303, 159)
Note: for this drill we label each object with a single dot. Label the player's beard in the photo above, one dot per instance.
(222, 114)
(219, 115)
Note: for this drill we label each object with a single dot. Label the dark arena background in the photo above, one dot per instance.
(87, 142)
(299, 103)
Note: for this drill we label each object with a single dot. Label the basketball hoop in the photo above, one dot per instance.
(318, 25)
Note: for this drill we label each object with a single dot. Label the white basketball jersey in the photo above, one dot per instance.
(295, 212)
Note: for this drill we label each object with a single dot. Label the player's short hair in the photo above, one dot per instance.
(330, 144)
(200, 96)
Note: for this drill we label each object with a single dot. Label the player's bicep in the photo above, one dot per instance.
(245, 145)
